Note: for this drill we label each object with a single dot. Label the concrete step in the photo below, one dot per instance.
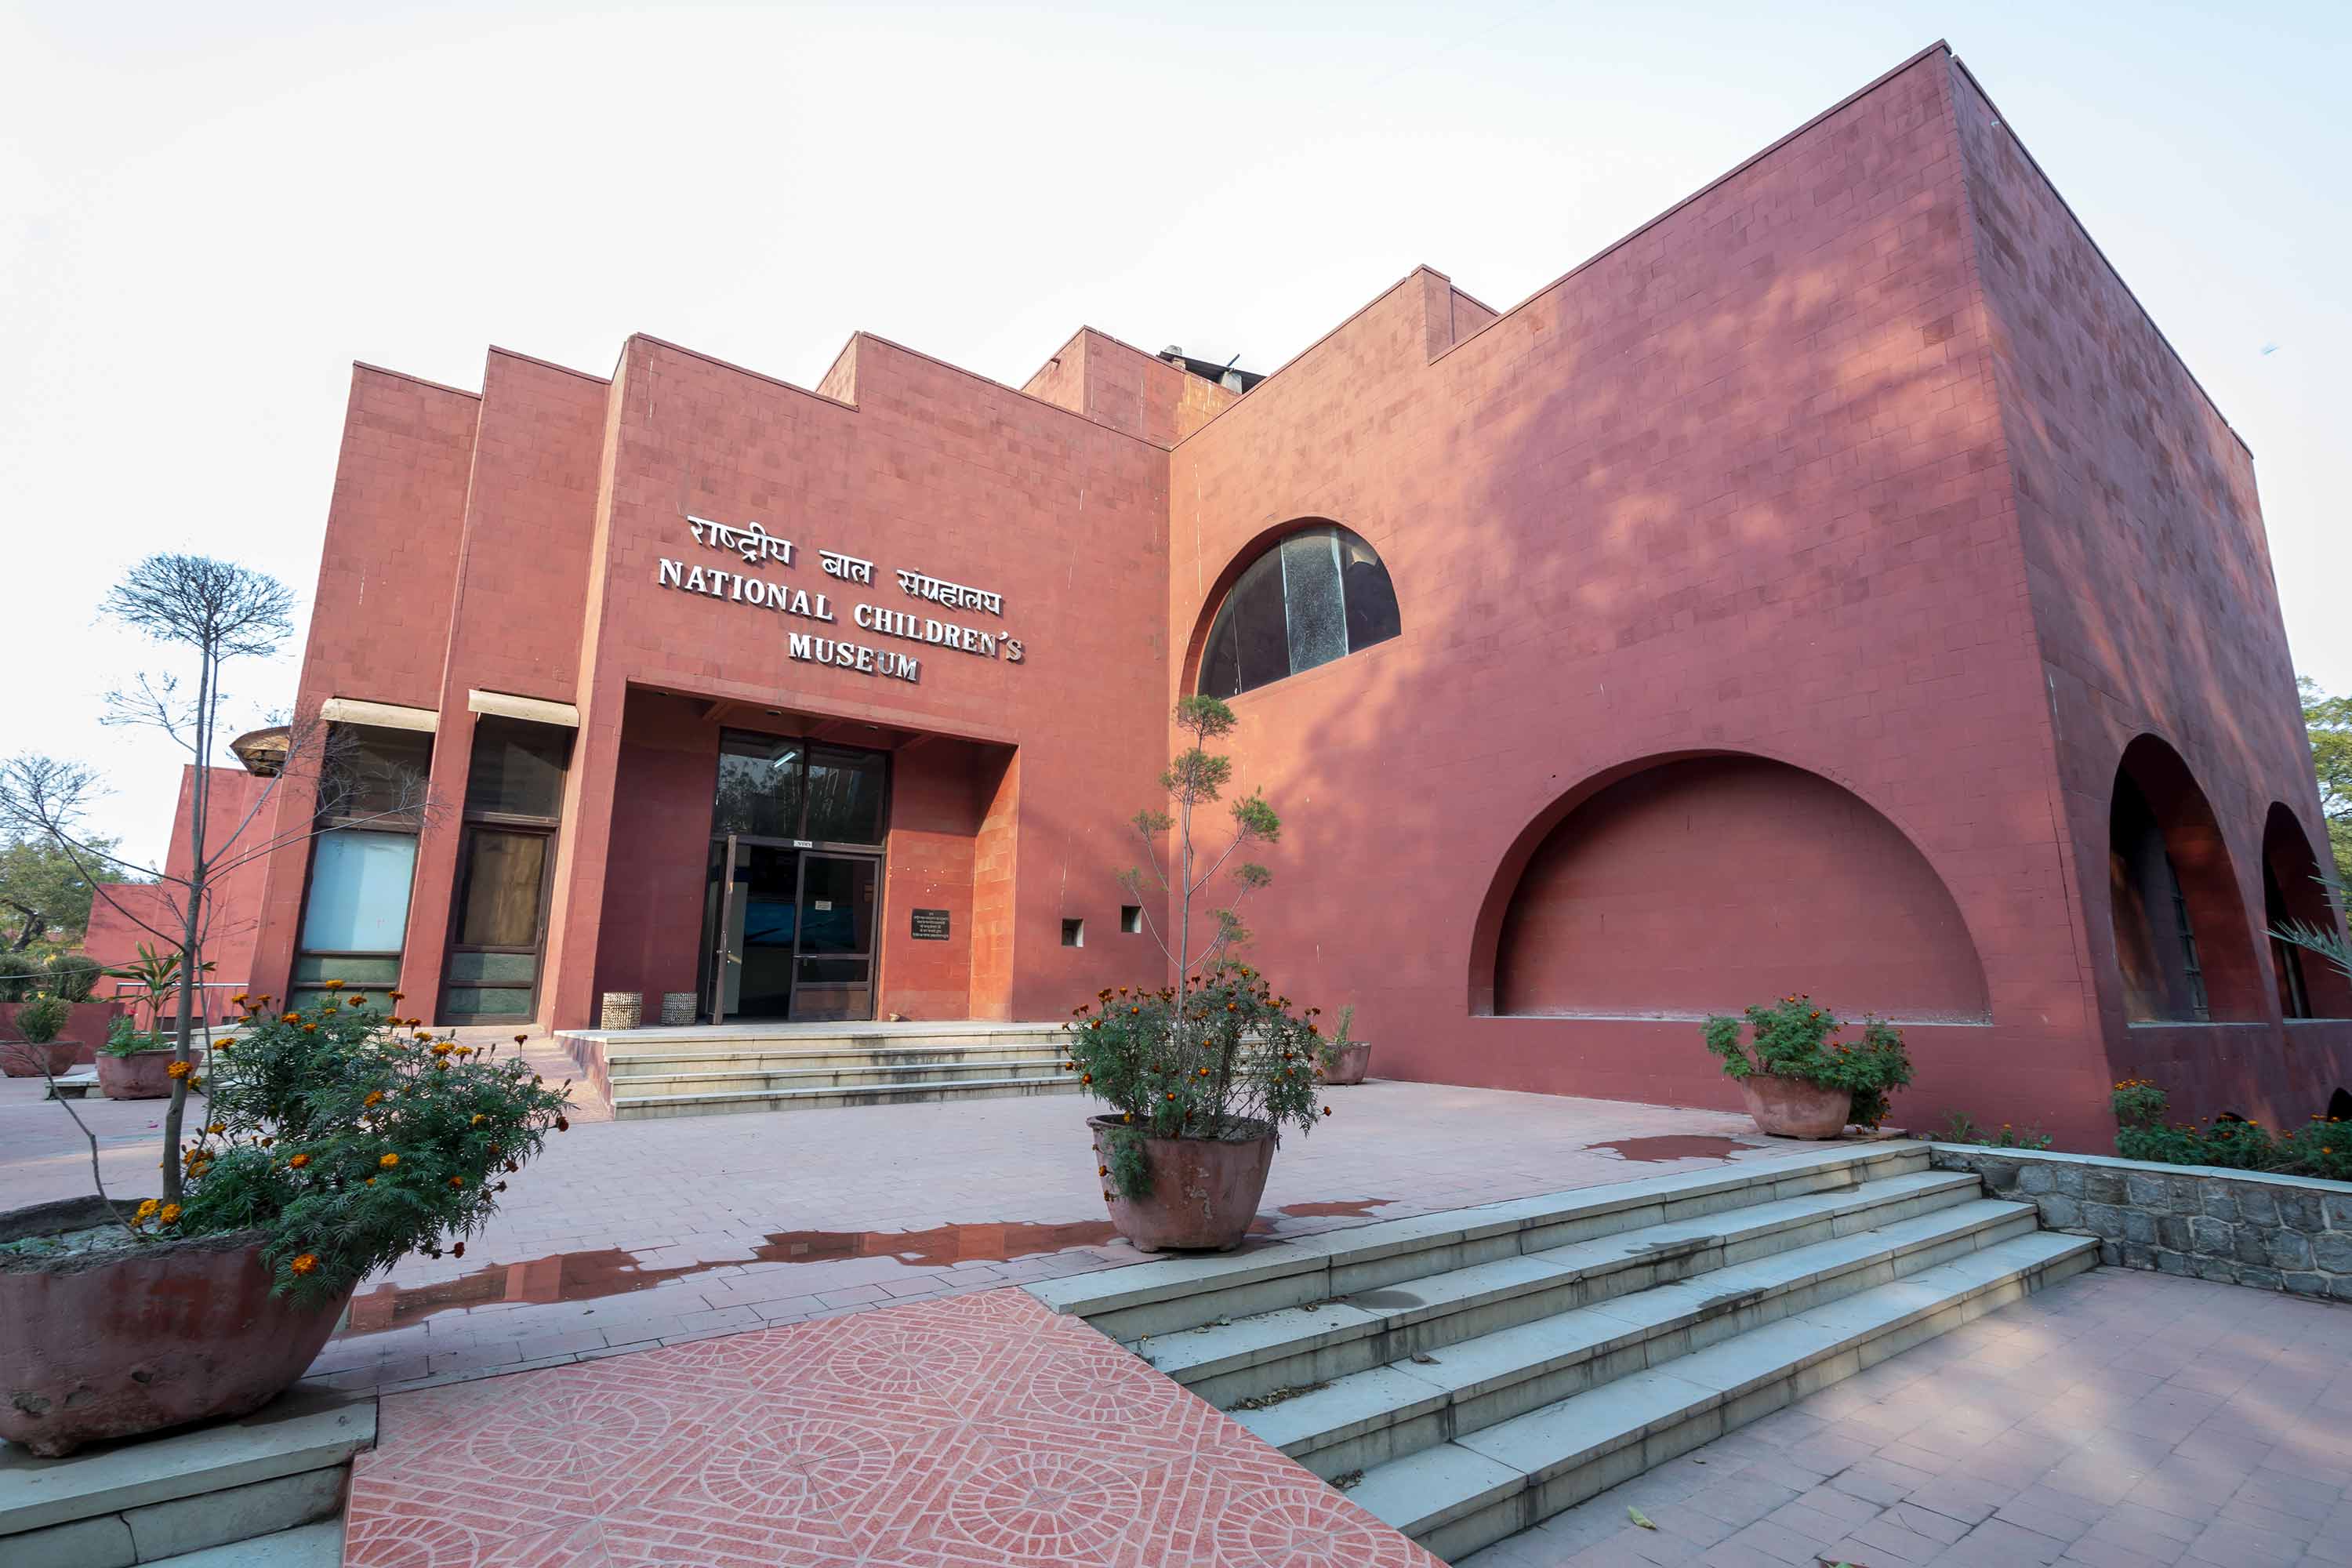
(1168, 1295)
(774, 1036)
(628, 1108)
(152, 1500)
(1420, 1399)
(734, 1077)
(318, 1545)
(1251, 1357)
(1457, 1497)
(661, 1063)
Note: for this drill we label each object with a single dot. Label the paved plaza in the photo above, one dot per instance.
(977, 1432)
(2116, 1420)
(630, 1235)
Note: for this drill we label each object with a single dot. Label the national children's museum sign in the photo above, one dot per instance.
(751, 544)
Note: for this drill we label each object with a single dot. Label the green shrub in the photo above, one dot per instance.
(124, 1037)
(1241, 1062)
(2320, 1147)
(74, 975)
(20, 974)
(1960, 1127)
(41, 1020)
(1793, 1038)
(353, 1139)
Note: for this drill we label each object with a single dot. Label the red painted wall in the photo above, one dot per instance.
(2156, 613)
(1702, 885)
(239, 816)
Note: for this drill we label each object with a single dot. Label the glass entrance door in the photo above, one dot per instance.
(833, 977)
(788, 934)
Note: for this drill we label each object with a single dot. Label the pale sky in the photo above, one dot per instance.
(208, 211)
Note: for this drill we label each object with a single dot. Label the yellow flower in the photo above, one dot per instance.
(375, 1097)
(333, 985)
(358, 1001)
(216, 1127)
(388, 1162)
(305, 1264)
(479, 1120)
(443, 1048)
(177, 1069)
(147, 1210)
(168, 1214)
(298, 1161)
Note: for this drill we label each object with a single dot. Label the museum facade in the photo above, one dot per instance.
(1837, 586)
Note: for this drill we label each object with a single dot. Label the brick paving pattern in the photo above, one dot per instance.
(2118, 1420)
(979, 1432)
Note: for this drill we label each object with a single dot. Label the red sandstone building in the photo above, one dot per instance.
(1837, 586)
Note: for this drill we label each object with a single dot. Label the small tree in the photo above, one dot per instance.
(218, 611)
(43, 886)
(2328, 721)
(1196, 778)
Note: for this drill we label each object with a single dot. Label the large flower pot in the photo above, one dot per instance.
(1791, 1107)
(121, 1342)
(19, 1059)
(1353, 1061)
(1204, 1191)
(146, 1075)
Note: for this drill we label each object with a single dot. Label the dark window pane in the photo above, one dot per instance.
(499, 906)
(1221, 671)
(376, 773)
(1310, 598)
(837, 905)
(517, 768)
(1372, 597)
(1261, 631)
(844, 796)
(759, 786)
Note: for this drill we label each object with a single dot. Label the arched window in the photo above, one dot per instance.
(1318, 595)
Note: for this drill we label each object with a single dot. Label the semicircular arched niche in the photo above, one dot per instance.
(1703, 884)
(2292, 894)
(2183, 944)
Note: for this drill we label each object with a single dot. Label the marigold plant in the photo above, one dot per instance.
(1794, 1038)
(352, 1145)
(2321, 1147)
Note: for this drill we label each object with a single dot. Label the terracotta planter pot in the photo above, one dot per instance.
(20, 1059)
(1203, 1193)
(117, 1345)
(1791, 1107)
(147, 1075)
(1355, 1060)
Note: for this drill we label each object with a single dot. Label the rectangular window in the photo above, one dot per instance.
(844, 796)
(518, 768)
(1074, 933)
(772, 786)
(497, 932)
(358, 891)
(369, 807)
(1131, 918)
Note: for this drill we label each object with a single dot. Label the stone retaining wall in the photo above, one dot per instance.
(2241, 1227)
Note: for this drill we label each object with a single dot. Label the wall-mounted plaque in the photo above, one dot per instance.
(931, 925)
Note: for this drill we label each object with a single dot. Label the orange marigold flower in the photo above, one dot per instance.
(395, 995)
(333, 985)
(477, 1120)
(216, 1127)
(147, 1210)
(375, 1097)
(388, 1162)
(289, 1017)
(309, 1028)
(178, 1069)
(298, 1161)
(457, 1180)
(442, 1047)
(1326, 1110)
(168, 1214)
(358, 1001)
(305, 1264)
(370, 1181)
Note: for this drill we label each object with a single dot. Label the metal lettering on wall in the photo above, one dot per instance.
(930, 925)
(751, 543)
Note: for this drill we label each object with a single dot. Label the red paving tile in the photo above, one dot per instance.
(974, 1432)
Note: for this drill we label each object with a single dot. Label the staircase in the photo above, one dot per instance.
(1463, 1375)
(705, 1070)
